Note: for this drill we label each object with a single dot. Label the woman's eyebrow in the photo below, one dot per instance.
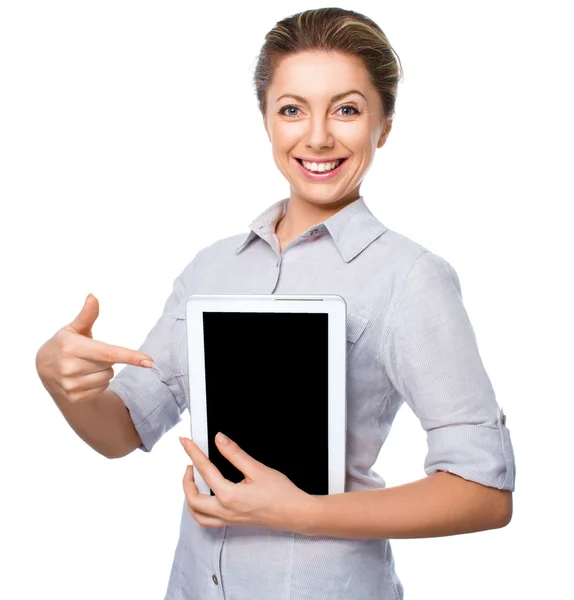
(333, 99)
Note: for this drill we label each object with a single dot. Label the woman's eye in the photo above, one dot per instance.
(295, 108)
(282, 111)
(350, 106)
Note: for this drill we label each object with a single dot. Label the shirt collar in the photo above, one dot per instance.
(352, 228)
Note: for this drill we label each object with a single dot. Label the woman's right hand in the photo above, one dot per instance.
(77, 367)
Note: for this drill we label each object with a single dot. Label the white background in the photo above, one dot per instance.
(130, 139)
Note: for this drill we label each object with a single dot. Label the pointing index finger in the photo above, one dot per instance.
(111, 354)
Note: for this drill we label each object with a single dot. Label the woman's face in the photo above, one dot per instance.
(311, 116)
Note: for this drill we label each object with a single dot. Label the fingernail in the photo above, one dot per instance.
(182, 441)
(222, 439)
(147, 363)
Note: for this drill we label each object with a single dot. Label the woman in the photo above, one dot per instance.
(326, 82)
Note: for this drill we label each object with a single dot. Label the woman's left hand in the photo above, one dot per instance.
(264, 498)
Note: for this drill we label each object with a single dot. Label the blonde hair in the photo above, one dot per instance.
(331, 30)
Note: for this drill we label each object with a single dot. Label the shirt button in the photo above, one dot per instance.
(214, 577)
(313, 231)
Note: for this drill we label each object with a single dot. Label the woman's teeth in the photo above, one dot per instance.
(321, 167)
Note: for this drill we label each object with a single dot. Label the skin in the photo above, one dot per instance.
(321, 128)
(438, 505)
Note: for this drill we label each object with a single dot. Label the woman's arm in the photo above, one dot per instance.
(441, 504)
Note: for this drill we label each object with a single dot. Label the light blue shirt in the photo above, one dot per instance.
(409, 339)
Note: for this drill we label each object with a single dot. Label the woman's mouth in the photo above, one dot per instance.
(320, 171)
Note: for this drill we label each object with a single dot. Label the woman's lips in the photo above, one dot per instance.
(319, 176)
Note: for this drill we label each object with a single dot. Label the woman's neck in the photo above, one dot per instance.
(302, 215)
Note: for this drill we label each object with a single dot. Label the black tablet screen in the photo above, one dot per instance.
(266, 382)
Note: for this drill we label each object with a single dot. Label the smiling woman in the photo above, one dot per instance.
(326, 83)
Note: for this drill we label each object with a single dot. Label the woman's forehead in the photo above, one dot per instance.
(318, 59)
(318, 75)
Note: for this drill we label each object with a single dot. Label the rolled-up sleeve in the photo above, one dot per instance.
(155, 397)
(431, 356)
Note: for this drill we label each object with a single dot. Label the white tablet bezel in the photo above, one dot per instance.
(331, 304)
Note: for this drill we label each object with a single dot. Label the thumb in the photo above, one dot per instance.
(84, 322)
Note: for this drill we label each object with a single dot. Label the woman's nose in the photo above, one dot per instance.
(319, 134)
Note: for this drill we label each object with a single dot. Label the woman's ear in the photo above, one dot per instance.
(385, 133)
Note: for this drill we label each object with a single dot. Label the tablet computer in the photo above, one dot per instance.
(269, 371)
